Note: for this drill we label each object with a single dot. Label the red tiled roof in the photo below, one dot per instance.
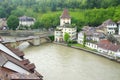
(65, 14)
(16, 51)
(9, 58)
(107, 45)
(31, 67)
(105, 41)
(25, 64)
(6, 74)
(19, 76)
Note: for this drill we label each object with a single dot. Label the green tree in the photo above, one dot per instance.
(66, 37)
(84, 40)
(37, 25)
(2, 12)
(51, 38)
(12, 22)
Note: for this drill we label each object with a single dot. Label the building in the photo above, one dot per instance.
(58, 35)
(92, 37)
(90, 41)
(97, 36)
(91, 34)
(3, 24)
(80, 37)
(26, 21)
(106, 47)
(118, 27)
(108, 27)
(65, 18)
(13, 65)
(65, 27)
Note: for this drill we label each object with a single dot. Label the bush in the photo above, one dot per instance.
(51, 38)
(72, 42)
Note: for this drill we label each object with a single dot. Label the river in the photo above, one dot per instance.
(56, 62)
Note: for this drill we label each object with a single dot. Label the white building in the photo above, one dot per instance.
(108, 27)
(65, 27)
(58, 36)
(3, 24)
(71, 31)
(111, 27)
(97, 36)
(80, 37)
(26, 21)
(118, 27)
(91, 45)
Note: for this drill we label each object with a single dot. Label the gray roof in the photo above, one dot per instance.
(25, 18)
(108, 22)
(105, 23)
(88, 28)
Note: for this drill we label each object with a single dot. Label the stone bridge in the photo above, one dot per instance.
(32, 40)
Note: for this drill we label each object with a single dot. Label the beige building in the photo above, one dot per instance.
(3, 24)
(65, 27)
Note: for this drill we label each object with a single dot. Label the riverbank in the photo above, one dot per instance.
(90, 51)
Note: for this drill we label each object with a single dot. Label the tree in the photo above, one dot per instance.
(2, 12)
(12, 22)
(84, 40)
(37, 25)
(66, 37)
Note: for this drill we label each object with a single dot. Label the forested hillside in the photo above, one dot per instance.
(47, 12)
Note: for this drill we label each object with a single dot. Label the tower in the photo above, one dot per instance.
(65, 18)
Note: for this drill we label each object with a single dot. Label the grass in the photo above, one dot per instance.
(81, 46)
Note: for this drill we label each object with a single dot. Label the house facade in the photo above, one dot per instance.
(65, 27)
(118, 27)
(70, 31)
(3, 24)
(108, 27)
(58, 36)
(89, 38)
(26, 21)
(80, 37)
